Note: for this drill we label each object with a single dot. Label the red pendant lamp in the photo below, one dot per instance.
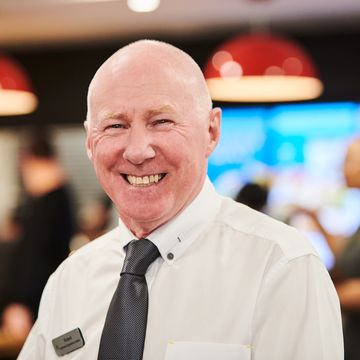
(261, 67)
(16, 95)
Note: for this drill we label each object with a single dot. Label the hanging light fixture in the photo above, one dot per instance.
(16, 95)
(261, 67)
(143, 5)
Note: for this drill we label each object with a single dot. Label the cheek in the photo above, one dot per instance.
(183, 154)
(192, 162)
(105, 152)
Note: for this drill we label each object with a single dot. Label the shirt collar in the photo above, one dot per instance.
(174, 237)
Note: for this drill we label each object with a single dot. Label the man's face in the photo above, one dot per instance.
(149, 145)
(352, 165)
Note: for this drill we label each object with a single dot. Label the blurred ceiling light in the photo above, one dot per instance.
(261, 67)
(143, 5)
(16, 96)
(85, 1)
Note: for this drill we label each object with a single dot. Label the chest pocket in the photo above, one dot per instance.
(184, 350)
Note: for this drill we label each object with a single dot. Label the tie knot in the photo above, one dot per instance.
(139, 255)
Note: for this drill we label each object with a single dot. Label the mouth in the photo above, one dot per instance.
(143, 181)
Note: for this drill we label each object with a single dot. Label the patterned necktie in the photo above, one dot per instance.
(123, 335)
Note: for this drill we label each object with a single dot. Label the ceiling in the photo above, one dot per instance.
(38, 22)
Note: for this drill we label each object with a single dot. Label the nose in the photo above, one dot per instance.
(138, 147)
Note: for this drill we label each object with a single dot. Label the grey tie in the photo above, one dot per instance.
(124, 331)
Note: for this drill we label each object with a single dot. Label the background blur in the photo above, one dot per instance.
(297, 149)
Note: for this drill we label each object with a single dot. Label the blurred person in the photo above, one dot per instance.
(346, 270)
(253, 195)
(200, 275)
(45, 227)
(94, 220)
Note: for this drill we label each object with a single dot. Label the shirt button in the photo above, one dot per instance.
(170, 256)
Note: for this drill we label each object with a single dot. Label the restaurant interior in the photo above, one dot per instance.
(295, 146)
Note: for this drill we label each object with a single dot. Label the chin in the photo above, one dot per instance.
(145, 212)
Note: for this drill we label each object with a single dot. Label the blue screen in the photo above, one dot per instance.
(297, 150)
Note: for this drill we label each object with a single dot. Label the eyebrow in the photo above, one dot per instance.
(159, 111)
(113, 115)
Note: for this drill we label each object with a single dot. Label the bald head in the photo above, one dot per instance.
(144, 57)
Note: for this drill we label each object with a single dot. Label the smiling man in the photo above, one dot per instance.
(187, 274)
(150, 131)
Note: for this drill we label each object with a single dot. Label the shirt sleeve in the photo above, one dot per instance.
(298, 314)
(35, 345)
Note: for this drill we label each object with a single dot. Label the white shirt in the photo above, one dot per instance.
(231, 283)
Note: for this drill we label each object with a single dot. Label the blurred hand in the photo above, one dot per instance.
(349, 294)
(313, 214)
(17, 321)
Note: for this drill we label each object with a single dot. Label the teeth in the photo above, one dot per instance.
(144, 180)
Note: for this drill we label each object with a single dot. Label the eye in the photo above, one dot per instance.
(162, 122)
(115, 126)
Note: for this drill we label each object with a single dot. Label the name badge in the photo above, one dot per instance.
(68, 342)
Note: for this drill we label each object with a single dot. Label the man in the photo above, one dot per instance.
(230, 283)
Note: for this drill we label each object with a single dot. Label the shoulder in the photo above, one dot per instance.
(262, 230)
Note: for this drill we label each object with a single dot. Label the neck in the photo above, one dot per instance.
(141, 230)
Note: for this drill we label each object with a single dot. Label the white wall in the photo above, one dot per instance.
(9, 179)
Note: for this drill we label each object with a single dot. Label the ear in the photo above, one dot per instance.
(214, 130)
(88, 145)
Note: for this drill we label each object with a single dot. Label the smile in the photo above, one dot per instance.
(142, 181)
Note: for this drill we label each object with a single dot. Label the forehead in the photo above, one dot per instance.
(149, 65)
(141, 73)
(153, 89)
